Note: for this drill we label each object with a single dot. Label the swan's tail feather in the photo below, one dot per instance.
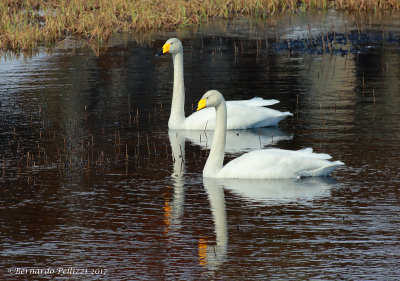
(287, 113)
(323, 171)
(269, 122)
(262, 102)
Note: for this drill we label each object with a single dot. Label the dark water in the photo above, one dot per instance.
(94, 187)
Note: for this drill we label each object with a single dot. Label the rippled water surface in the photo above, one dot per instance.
(92, 179)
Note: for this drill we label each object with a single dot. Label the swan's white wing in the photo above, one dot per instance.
(243, 117)
(239, 117)
(253, 102)
(278, 163)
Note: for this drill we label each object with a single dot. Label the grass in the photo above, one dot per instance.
(26, 23)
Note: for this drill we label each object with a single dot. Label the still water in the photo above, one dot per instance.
(94, 186)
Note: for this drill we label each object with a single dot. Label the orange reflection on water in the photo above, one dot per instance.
(202, 244)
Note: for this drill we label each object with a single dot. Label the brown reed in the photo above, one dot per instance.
(27, 23)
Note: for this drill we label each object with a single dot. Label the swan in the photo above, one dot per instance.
(242, 114)
(259, 164)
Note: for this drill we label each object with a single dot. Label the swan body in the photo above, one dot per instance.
(242, 114)
(260, 164)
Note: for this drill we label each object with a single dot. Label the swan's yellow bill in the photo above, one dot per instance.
(165, 48)
(202, 104)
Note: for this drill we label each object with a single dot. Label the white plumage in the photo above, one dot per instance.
(279, 164)
(242, 114)
(259, 164)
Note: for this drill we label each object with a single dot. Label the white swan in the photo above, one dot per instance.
(242, 114)
(258, 164)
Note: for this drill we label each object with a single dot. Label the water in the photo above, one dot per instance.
(88, 180)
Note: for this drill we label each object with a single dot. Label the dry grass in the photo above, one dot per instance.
(27, 23)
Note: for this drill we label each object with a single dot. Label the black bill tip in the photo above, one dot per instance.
(159, 53)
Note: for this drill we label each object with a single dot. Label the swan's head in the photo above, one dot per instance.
(212, 98)
(172, 46)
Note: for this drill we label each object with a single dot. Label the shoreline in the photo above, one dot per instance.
(29, 24)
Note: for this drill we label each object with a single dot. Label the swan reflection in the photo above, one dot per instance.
(212, 256)
(239, 140)
(266, 191)
(173, 210)
(278, 191)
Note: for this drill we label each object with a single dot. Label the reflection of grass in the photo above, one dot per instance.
(25, 23)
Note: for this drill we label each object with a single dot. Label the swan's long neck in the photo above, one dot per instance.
(178, 95)
(216, 158)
